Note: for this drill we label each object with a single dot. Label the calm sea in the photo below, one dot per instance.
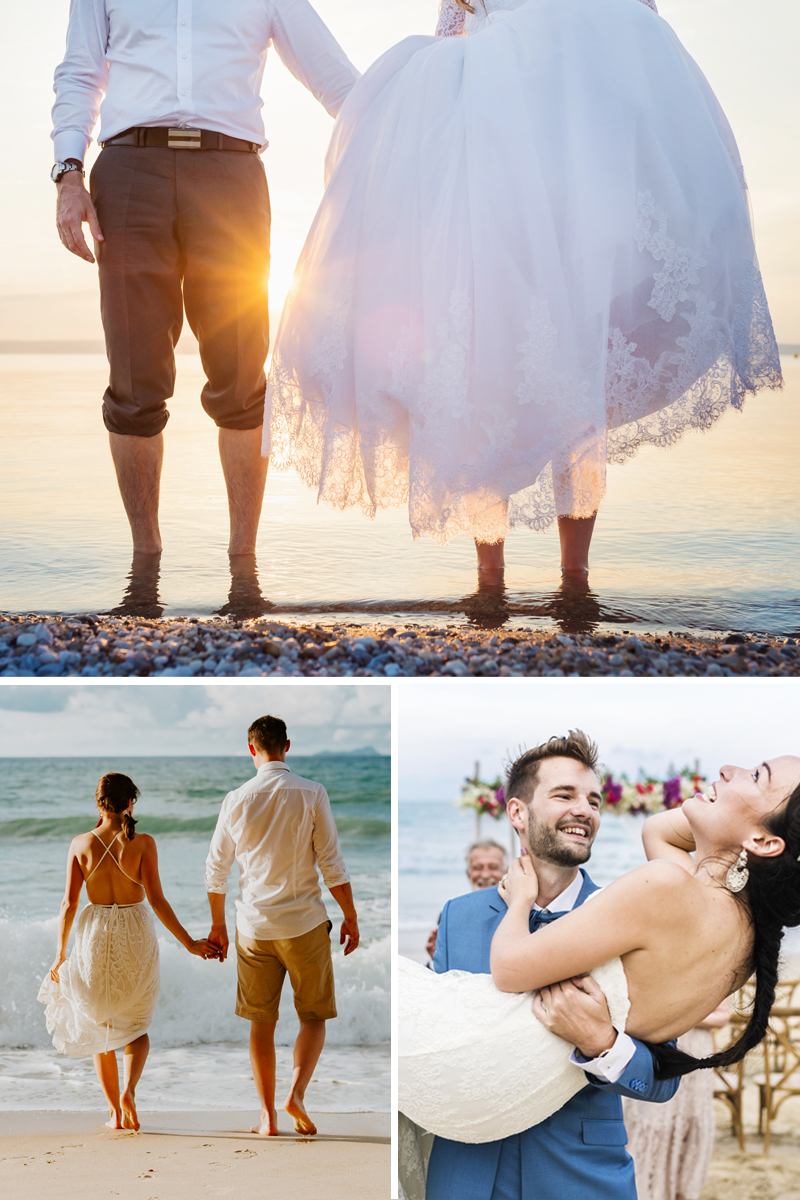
(701, 536)
(199, 1055)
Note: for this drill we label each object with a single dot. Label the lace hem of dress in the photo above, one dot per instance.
(394, 453)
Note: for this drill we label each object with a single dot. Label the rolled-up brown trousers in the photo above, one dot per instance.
(182, 229)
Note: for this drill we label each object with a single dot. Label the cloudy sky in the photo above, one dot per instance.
(446, 727)
(89, 720)
(747, 50)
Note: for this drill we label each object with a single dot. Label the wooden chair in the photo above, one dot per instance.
(780, 1077)
(729, 1082)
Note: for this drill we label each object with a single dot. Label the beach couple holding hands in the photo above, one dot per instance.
(279, 828)
(552, 998)
(534, 254)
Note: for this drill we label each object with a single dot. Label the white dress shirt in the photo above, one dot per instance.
(186, 63)
(612, 1063)
(279, 828)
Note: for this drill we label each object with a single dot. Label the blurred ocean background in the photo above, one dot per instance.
(199, 1055)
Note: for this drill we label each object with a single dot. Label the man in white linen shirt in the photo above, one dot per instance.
(280, 829)
(179, 211)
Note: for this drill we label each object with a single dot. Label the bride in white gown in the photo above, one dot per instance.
(533, 256)
(666, 943)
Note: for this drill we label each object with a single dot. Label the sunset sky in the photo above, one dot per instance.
(748, 52)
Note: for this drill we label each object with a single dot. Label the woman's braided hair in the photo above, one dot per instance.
(772, 900)
(113, 795)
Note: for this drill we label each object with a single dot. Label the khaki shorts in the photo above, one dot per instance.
(263, 966)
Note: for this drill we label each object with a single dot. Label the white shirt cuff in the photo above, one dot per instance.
(70, 144)
(610, 1065)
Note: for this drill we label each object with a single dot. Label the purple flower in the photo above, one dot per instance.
(500, 795)
(672, 792)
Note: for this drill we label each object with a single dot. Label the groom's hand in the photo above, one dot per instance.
(219, 938)
(577, 1011)
(349, 933)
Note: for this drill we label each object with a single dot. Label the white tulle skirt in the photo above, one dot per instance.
(474, 1064)
(108, 987)
(534, 255)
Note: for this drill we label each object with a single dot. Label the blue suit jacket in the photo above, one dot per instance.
(577, 1152)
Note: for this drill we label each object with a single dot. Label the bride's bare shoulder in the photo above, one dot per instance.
(655, 884)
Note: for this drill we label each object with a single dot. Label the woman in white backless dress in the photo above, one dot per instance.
(666, 943)
(533, 256)
(103, 996)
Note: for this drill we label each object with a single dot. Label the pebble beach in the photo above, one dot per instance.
(97, 646)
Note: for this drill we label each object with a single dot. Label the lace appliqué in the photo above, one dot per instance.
(672, 285)
(451, 19)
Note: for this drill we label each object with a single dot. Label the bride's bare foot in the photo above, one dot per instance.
(491, 557)
(130, 1120)
(114, 1121)
(302, 1121)
(269, 1123)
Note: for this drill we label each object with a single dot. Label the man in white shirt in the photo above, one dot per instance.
(280, 829)
(179, 211)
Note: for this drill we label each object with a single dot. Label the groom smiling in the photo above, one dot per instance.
(554, 802)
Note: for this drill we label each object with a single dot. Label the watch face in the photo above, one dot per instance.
(57, 171)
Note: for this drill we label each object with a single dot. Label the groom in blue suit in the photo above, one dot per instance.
(553, 801)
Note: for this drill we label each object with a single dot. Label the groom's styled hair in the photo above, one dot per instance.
(268, 734)
(523, 773)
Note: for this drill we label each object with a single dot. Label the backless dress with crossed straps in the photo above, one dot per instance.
(108, 987)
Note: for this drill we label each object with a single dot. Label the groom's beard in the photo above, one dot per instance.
(545, 843)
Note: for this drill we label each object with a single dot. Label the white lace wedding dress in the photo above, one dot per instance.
(108, 987)
(534, 255)
(474, 1063)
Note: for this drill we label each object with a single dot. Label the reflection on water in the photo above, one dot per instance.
(702, 536)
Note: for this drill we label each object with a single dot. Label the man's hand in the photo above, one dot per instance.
(577, 1011)
(218, 938)
(430, 945)
(349, 932)
(74, 206)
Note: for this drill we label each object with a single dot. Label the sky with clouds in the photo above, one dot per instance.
(645, 723)
(85, 720)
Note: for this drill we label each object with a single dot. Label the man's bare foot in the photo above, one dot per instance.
(302, 1121)
(130, 1120)
(114, 1121)
(269, 1124)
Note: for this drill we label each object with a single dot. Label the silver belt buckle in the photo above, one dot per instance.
(184, 139)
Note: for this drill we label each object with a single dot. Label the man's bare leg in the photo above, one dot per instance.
(262, 1060)
(137, 461)
(307, 1050)
(106, 1067)
(133, 1061)
(575, 535)
(245, 474)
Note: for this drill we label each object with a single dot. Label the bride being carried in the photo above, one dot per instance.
(477, 1070)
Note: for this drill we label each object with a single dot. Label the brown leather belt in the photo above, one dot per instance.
(161, 138)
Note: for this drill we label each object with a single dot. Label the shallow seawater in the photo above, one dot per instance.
(701, 536)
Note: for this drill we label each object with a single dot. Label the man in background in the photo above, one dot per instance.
(280, 829)
(486, 866)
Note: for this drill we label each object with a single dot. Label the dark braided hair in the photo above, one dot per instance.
(113, 795)
(772, 899)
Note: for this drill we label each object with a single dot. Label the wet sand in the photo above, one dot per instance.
(180, 1156)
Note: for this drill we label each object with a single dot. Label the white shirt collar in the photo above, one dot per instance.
(277, 765)
(565, 901)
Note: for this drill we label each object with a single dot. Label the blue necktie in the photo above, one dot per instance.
(538, 918)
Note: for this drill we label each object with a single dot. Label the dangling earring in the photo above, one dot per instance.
(738, 874)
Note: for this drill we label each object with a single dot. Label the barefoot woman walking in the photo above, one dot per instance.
(102, 997)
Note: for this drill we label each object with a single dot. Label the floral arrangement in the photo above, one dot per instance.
(488, 799)
(650, 795)
(646, 795)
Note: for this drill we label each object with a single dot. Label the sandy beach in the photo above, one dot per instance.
(179, 1156)
(752, 1176)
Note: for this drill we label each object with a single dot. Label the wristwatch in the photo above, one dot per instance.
(61, 168)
